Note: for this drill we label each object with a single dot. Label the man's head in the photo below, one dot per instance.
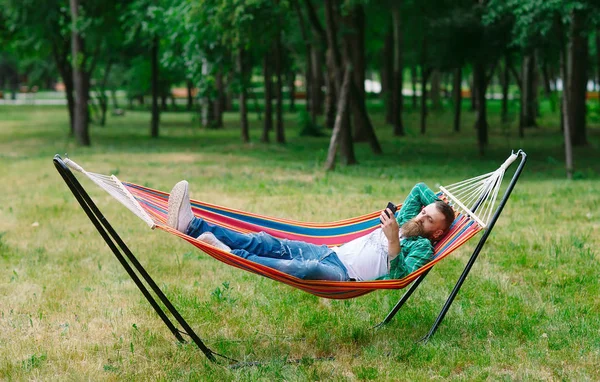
(433, 221)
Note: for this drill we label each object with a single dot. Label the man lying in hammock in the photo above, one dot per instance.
(400, 246)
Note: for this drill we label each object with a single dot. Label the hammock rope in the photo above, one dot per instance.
(472, 199)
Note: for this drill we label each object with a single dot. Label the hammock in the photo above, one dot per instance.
(151, 206)
(473, 200)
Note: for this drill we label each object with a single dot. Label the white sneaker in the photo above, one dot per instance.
(211, 239)
(180, 215)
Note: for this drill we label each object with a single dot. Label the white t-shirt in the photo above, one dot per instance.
(365, 258)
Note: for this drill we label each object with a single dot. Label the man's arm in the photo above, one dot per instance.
(418, 255)
(419, 196)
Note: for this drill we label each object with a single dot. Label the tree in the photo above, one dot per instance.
(80, 78)
(354, 55)
(340, 71)
(578, 58)
(227, 31)
(556, 22)
(145, 23)
(321, 51)
(342, 110)
(43, 30)
(397, 72)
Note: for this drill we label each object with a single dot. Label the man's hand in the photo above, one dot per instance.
(389, 225)
(390, 228)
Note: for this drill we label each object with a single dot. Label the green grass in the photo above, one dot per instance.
(68, 311)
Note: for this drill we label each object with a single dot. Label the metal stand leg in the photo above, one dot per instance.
(112, 239)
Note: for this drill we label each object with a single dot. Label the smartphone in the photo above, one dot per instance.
(392, 207)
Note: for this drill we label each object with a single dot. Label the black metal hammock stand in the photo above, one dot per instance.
(473, 199)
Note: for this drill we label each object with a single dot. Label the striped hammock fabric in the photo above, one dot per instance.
(154, 203)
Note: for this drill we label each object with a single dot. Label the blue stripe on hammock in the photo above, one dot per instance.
(279, 226)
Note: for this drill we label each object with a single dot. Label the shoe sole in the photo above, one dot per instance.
(175, 201)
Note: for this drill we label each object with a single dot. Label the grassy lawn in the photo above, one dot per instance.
(68, 311)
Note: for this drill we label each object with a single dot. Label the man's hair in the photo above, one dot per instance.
(448, 213)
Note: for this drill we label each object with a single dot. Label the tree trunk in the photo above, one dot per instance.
(155, 110)
(578, 64)
(190, 97)
(355, 50)
(254, 98)
(243, 95)
(413, 79)
(67, 76)
(386, 74)
(347, 156)
(436, 103)
(342, 108)
(308, 62)
(480, 84)
(113, 97)
(318, 82)
(332, 14)
(398, 71)
(318, 52)
(598, 58)
(330, 95)
(446, 88)
(102, 98)
(565, 110)
(318, 79)
(505, 84)
(228, 92)
(308, 83)
(335, 62)
(291, 80)
(424, 78)
(354, 56)
(546, 79)
(317, 68)
(473, 94)
(218, 102)
(268, 80)
(81, 122)
(279, 131)
(61, 60)
(206, 104)
(536, 91)
(548, 91)
(163, 102)
(457, 96)
(361, 113)
(527, 118)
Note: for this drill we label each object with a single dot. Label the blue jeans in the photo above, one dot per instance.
(303, 260)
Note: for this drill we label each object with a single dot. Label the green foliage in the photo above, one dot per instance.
(222, 294)
(33, 362)
(535, 22)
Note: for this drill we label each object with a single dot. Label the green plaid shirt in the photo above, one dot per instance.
(414, 251)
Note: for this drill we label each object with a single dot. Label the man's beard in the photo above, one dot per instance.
(413, 228)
